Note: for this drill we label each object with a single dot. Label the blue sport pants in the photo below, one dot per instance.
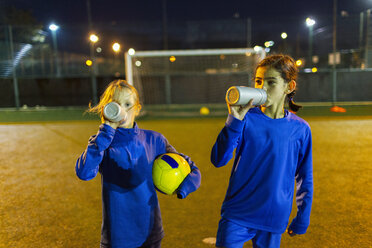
(231, 235)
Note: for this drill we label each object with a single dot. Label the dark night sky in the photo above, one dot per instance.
(73, 11)
(265, 15)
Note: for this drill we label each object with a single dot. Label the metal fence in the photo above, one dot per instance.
(39, 68)
(42, 60)
(352, 86)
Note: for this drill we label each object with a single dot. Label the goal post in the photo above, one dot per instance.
(199, 76)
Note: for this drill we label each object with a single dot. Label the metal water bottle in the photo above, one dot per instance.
(113, 112)
(241, 95)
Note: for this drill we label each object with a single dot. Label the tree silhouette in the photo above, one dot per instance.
(24, 24)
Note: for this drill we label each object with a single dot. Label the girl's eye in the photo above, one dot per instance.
(271, 82)
(259, 82)
(127, 105)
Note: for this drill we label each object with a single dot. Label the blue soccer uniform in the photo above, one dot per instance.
(270, 154)
(124, 158)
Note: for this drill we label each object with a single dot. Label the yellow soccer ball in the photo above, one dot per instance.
(168, 172)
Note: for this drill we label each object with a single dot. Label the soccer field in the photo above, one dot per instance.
(44, 204)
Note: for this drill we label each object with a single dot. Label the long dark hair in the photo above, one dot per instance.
(288, 70)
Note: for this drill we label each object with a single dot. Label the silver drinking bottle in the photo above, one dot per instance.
(241, 95)
(113, 112)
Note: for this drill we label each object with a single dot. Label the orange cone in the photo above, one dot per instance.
(338, 109)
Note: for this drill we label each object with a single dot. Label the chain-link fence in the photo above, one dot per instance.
(39, 56)
(39, 67)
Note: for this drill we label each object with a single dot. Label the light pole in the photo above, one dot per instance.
(53, 28)
(116, 48)
(93, 39)
(284, 36)
(310, 23)
(165, 28)
(14, 69)
(334, 107)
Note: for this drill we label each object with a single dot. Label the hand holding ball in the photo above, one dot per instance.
(168, 172)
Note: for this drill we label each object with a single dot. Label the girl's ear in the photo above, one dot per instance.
(291, 86)
(138, 109)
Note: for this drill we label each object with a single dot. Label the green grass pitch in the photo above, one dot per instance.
(44, 204)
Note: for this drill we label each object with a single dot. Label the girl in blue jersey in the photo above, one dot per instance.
(123, 154)
(273, 148)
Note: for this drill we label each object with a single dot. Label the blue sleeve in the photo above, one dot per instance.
(192, 181)
(304, 192)
(227, 141)
(87, 165)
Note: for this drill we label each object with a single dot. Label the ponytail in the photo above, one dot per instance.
(291, 104)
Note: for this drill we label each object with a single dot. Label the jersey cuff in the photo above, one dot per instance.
(297, 228)
(234, 123)
(181, 195)
(107, 129)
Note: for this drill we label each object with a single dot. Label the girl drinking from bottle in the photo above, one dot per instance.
(124, 154)
(273, 147)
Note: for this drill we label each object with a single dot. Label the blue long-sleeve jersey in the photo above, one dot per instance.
(270, 154)
(124, 158)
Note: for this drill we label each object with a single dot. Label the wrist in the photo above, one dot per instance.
(234, 123)
(239, 117)
(111, 124)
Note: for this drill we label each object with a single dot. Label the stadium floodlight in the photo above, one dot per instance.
(53, 27)
(93, 38)
(89, 62)
(116, 47)
(172, 59)
(131, 51)
(310, 22)
(257, 49)
(284, 35)
(269, 43)
(138, 63)
(299, 62)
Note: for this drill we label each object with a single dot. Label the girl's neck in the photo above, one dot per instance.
(127, 126)
(274, 112)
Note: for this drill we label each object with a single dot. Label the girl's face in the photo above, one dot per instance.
(126, 98)
(271, 81)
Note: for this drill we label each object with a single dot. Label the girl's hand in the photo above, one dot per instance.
(114, 125)
(240, 111)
